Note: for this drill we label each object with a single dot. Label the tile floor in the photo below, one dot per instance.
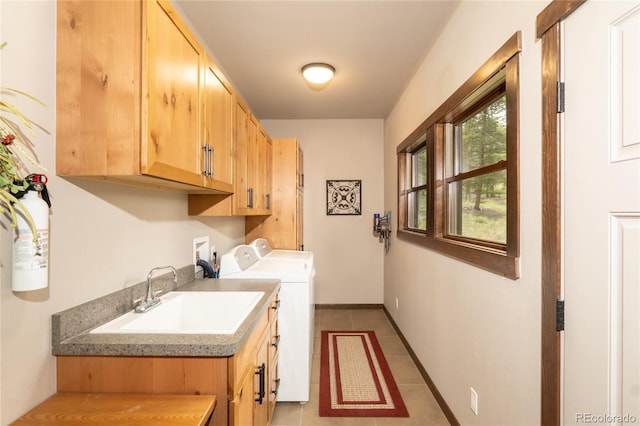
(422, 406)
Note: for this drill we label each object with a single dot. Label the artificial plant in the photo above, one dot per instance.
(12, 169)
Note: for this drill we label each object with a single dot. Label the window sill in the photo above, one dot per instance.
(481, 257)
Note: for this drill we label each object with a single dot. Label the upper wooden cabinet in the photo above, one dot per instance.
(253, 165)
(252, 172)
(283, 228)
(134, 98)
(265, 170)
(217, 128)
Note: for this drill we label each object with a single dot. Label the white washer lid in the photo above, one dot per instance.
(306, 256)
(237, 259)
(261, 246)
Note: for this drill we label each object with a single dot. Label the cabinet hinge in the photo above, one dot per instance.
(560, 96)
(559, 315)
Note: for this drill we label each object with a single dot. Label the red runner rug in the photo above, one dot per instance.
(355, 379)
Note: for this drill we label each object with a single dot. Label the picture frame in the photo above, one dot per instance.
(344, 197)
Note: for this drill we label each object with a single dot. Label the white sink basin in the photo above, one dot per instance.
(189, 312)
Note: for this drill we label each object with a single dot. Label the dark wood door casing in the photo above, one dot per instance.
(548, 30)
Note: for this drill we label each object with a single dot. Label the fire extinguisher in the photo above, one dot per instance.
(31, 255)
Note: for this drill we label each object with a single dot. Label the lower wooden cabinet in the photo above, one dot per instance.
(255, 387)
(249, 383)
(274, 378)
(240, 380)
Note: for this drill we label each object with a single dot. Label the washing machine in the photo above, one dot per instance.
(295, 317)
(265, 251)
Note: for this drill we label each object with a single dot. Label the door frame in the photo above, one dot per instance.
(548, 30)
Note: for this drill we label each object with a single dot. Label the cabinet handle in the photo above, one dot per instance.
(276, 342)
(268, 201)
(211, 161)
(205, 171)
(260, 371)
(250, 198)
(275, 391)
(276, 305)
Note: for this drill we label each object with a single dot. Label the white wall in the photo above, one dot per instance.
(104, 237)
(471, 328)
(348, 259)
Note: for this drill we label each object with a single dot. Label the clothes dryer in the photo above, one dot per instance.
(265, 251)
(295, 318)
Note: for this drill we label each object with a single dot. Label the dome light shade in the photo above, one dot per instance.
(318, 73)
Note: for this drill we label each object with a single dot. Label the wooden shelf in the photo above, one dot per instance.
(71, 409)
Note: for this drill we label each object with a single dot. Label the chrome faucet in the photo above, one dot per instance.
(150, 301)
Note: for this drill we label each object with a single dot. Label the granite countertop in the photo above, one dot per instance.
(70, 328)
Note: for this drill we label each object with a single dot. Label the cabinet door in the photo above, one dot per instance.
(274, 378)
(241, 407)
(217, 129)
(264, 177)
(261, 404)
(299, 220)
(255, 202)
(174, 61)
(300, 168)
(241, 146)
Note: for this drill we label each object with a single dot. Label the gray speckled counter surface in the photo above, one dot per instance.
(70, 328)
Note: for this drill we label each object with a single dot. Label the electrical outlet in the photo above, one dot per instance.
(474, 401)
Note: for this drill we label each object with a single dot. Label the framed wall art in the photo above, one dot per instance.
(344, 197)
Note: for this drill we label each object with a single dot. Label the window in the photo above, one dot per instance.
(416, 191)
(458, 172)
(477, 191)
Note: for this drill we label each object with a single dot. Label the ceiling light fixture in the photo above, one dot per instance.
(318, 75)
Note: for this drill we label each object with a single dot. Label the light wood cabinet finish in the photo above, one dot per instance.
(252, 172)
(129, 93)
(146, 375)
(261, 403)
(265, 172)
(247, 406)
(217, 127)
(283, 229)
(68, 409)
(274, 343)
(173, 78)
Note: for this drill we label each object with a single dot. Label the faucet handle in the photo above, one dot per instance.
(157, 293)
(138, 301)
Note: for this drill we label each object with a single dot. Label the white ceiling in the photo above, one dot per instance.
(375, 47)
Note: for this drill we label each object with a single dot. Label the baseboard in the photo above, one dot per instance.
(436, 393)
(352, 306)
(438, 396)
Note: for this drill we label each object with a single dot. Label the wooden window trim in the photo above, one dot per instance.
(501, 69)
(495, 167)
(495, 63)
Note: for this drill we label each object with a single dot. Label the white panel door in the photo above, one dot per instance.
(601, 189)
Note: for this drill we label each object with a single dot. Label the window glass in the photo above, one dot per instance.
(478, 207)
(418, 210)
(484, 137)
(419, 166)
